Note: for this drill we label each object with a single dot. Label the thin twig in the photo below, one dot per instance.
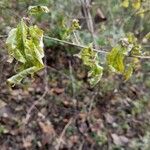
(91, 102)
(82, 144)
(73, 44)
(141, 57)
(45, 74)
(28, 115)
(144, 11)
(82, 46)
(3, 36)
(86, 4)
(72, 80)
(63, 133)
(58, 72)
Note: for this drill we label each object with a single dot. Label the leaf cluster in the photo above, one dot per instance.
(91, 60)
(116, 59)
(136, 5)
(25, 45)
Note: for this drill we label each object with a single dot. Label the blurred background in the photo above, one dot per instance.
(57, 108)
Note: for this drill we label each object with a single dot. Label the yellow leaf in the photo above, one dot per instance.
(136, 4)
(125, 3)
(141, 12)
(115, 59)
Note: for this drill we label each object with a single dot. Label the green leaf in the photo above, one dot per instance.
(16, 79)
(33, 10)
(127, 46)
(131, 38)
(90, 59)
(88, 56)
(2, 129)
(15, 42)
(115, 59)
(95, 74)
(136, 47)
(25, 45)
(75, 25)
(128, 72)
(37, 38)
(136, 50)
(147, 36)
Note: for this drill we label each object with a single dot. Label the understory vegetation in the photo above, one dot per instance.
(75, 75)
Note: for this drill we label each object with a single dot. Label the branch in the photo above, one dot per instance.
(60, 139)
(144, 11)
(82, 46)
(141, 57)
(73, 44)
(3, 36)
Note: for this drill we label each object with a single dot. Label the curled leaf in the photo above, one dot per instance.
(95, 74)
(88, 56)
(147, 36)
(90, 59)
(136, 47)
(25, 45)
(16, 79)
(115, 59)
(75, 24)
(128, 72)
(33, 10)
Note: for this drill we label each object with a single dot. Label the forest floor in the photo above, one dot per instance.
(57, 109)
